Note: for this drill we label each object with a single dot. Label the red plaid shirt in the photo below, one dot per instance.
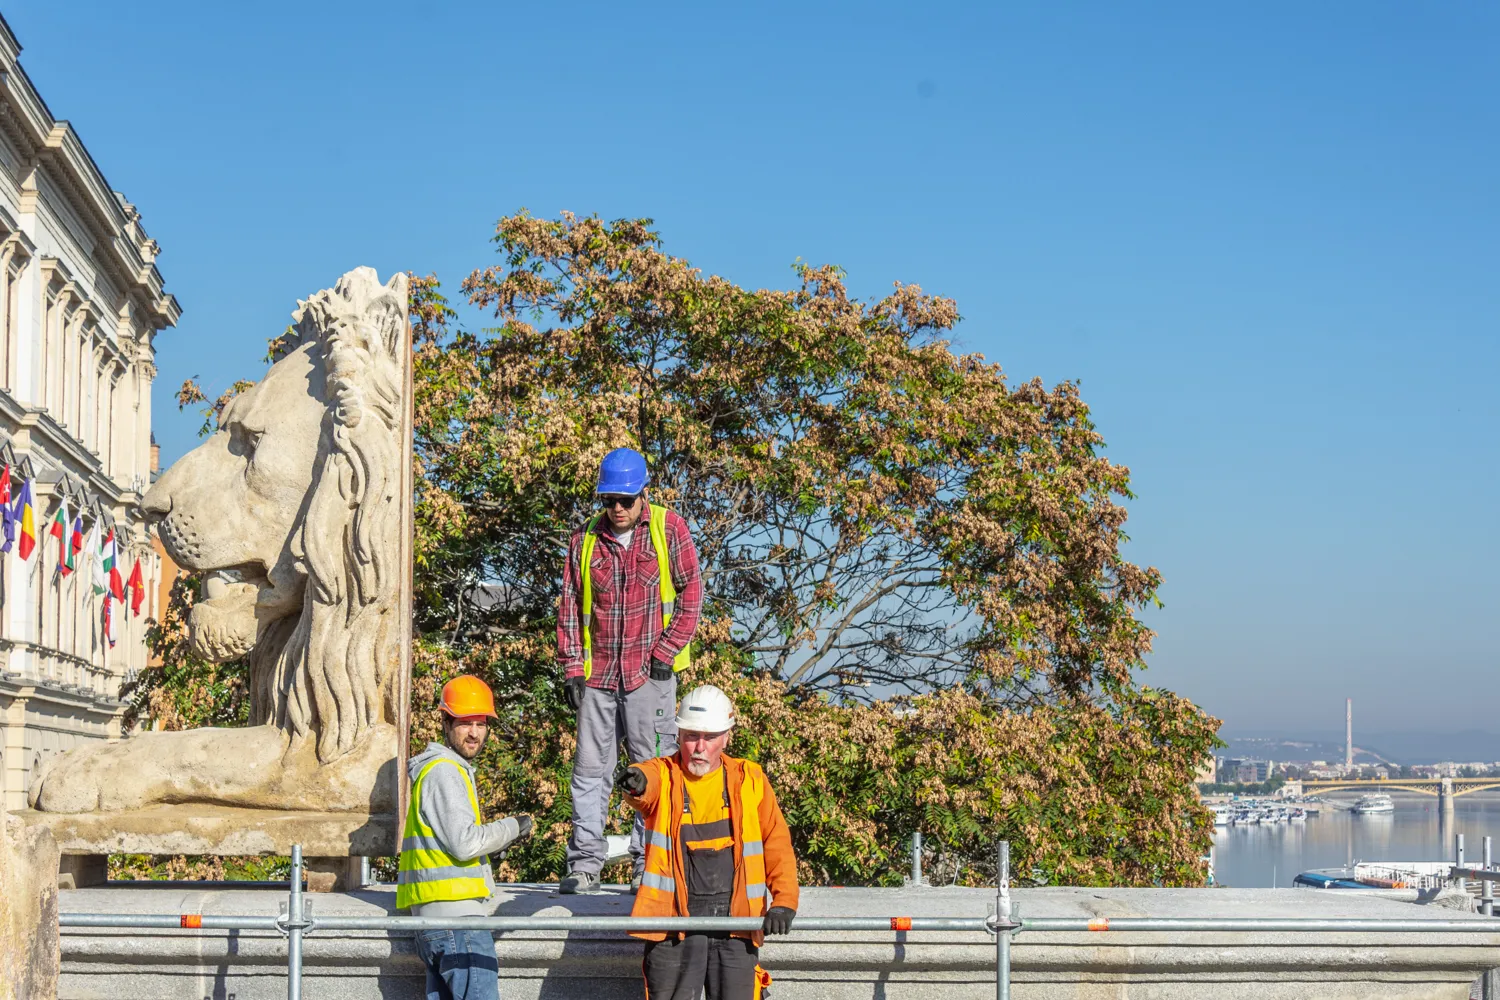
(627, 604)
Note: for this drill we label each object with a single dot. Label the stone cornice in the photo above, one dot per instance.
(12, 685)
(41, 433)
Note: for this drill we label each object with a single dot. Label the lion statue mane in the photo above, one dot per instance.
(329, 670)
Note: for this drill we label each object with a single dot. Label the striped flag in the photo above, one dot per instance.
(75, 544)
(109, 619)
(95, 549)
(116, 582)
(25, 516)
(60, 531)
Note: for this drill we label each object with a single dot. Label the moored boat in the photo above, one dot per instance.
(1374, 804)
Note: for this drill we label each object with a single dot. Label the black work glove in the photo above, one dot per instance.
(524, 822)
(778, 920)
(661, 671)
(573, 692)
(631, 781)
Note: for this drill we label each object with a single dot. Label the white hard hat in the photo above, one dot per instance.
(705, 709)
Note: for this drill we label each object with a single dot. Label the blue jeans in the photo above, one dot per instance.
(460, 965)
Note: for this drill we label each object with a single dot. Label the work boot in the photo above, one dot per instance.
(578, 882)
(635, 881)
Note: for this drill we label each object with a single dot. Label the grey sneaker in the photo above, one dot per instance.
(635, 882)
(578, 882)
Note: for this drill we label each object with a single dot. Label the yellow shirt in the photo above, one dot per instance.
(704, 800)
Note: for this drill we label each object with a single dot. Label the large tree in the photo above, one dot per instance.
(873, 512)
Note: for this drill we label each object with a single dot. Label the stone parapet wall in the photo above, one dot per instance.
(247, 965)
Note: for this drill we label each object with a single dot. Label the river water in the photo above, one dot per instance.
(1266, 855)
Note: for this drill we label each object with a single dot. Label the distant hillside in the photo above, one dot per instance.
(1397, 748)
(1279, 748)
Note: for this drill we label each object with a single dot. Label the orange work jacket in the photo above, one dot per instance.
(765, 869)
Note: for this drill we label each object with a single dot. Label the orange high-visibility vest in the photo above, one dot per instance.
(663, 891)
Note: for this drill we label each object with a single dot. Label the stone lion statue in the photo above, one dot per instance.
(292, 512)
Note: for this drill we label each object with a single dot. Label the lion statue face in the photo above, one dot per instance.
(292, 512)
(232, 508)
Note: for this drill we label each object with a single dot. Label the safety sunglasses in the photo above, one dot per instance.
(616, 500)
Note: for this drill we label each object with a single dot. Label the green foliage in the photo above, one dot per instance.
(199, 867)
(183, 690)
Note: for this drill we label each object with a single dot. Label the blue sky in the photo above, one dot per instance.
(1265, 240)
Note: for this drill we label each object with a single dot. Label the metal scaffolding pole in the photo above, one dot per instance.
(1002, 922)
(296, 920)
(1487, 887)
(974, 925)
(1253, 924)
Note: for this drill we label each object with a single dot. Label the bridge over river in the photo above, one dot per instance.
(1445, 790)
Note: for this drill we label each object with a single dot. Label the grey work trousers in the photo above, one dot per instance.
(646, 719)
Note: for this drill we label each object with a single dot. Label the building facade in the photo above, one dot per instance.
(81, 300)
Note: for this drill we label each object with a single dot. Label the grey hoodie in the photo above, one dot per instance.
(445, 807)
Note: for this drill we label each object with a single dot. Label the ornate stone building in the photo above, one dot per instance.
(80, 301)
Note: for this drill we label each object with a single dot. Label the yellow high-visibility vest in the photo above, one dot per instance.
(428, 873)
(658, 528)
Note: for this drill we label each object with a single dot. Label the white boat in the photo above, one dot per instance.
(1221, 816)
(1374, 804)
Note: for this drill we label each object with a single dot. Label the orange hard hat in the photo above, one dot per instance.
(464, 696)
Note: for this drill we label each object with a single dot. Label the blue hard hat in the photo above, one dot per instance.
(623, 471)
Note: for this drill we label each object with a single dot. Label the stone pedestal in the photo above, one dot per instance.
(224, 830)
(332, 843)
(29, 957)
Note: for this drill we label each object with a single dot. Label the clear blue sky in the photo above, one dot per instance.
(1265, 240)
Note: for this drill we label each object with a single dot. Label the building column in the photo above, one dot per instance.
(74, 351)
(56, 353)
(13, 258)
(139, 456)
(115, 432)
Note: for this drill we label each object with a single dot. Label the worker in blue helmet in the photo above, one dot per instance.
(631, 596)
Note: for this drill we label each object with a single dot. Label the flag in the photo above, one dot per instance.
(116, 584)
(137, 587)
(95, 549)
(7, 522)
(25, 516)
(109, 620)
(75, 544)
(60, 532)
